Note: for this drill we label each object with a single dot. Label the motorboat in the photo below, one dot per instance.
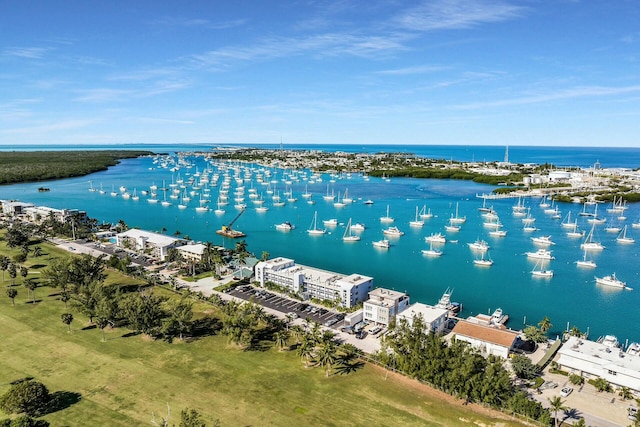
(436, 238)
(611, 280)
(285, 226)
(540, 254)
(479, 245)
(382, 244)
(393, 231)
(542, 240)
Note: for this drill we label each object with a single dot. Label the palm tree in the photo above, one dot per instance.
(241, 247)
(265, 256)
(545, 324)
(12, 293)
(297, 332)
(67, 318)
(305, 351)
(326, 356)
(4, 264)
(37, 251)
(556, 404)
(625, 393)
(280, 338)
(24, 271)
(31, 286)
(575, 332)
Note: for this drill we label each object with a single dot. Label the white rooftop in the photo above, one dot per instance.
(156, 239)
(196, 249)
(429, 313)
(601, 354)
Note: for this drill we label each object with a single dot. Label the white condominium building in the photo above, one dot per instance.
(314, 283)
(383, 305)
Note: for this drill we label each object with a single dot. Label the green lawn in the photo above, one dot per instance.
(126, 379)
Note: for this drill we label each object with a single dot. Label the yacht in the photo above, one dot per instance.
(436, 238)
(634, 349)
(339, 203)
(479, 245)
(431, 251)
(285, 226)
(393, 231)
(540, 254)
(542, 240)
(575, 232)
(357, 227)
(498, 317)
(330, 222)
(451, 227)
(426, 214)
(382, 244)
(611, 280)
(498, 233)
(313, 229)
(262, 209)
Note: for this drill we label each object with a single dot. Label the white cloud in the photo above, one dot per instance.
(578, 92)
(457, 14)
(26, 52)
(420, 69)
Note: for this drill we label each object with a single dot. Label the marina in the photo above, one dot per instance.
(509, 282)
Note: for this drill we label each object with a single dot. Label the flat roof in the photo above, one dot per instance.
(386, 294)
(154, 238)
(429, 313)
(488, 334)
(196, 249)
(597, 353)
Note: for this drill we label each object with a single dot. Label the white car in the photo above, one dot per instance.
(566, 391)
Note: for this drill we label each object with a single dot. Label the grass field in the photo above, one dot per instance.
(126, 379)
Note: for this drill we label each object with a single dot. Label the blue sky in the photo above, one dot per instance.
(485, 72)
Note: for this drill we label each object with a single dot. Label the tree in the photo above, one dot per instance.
(534, 334)
(580, 423)
(189, 417)
(29, 397)
(13, 273)
(545, 324)
(24, 421)
(144, 312)
(625, 393)
(305, 350)
(67, 318)
(575, 332)
(556, 404)
(12, 293)
(326, 356)
(37, 251)
(31, 286)
(523, 367)
(180, 318)
(16, 236)
(601, 385)
(281, 338)
(4, 264)
(65, 297)
(576, 379)
(24, 272)
(241, 247)
(265, 256)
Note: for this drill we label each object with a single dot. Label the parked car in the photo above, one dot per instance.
(361, 335)
(293, 314)
(375, 330)
(566, 391)
(331, 322)
(632, 413)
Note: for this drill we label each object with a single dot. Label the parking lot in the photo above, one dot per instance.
(297, 309)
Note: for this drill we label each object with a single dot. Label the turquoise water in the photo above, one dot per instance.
(570, 296)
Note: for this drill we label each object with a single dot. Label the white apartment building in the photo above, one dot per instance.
(604, 360)
(312, 282)
(383, 305)
(141, 240)
(434, 318)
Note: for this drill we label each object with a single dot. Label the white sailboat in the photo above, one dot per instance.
(313, 228)
(338, 203)
(348, 236)
(457, 219)
(622, 237)
(306, 194)
(431, 251)
(424, 214)
(484, 260)
(575, 232)
(135, 196)
(329, 197)
(589, 243)
(346, 199)
(386, 218)
(451, 226)
(584, 262)
(540, 271)
(416, 222)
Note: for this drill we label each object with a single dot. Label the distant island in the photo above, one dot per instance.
(35, 166)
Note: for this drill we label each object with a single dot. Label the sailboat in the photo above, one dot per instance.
(338, 203)
(519, 208)
(313, 228)
(589, 244)
(484, 260)
(451, 226)
(574, 232)
(456, 219)
(329, 197)
(345, 198)
(424, 214)
(416, 222)
(348, 235)
(584, 262)
(539, 271)
(622, 237)
(135, 196)
(566, 223)
(306, 194)
(431, 251)
(91, 187)
(544, 204)
(484, 207)
(386, 218)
